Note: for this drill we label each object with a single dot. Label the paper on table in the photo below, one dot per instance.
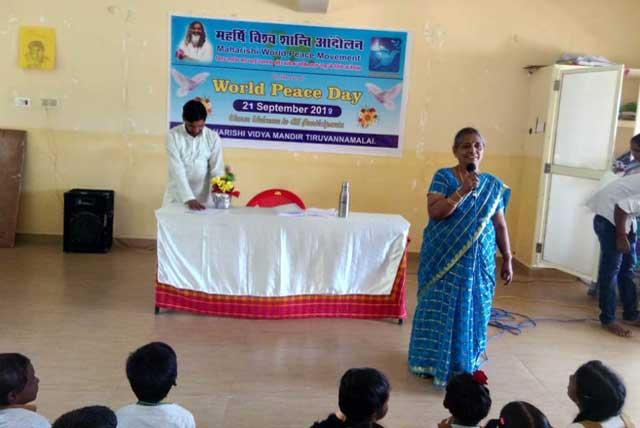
(206, 211)
(289, 210)
(319, 212)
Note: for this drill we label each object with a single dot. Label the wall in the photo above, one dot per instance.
(112, 78)
(524, 232)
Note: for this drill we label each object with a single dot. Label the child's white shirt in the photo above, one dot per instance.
(161, 415)
(22, 418)
(614, 422)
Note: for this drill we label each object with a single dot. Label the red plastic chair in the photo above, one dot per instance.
(275, 197)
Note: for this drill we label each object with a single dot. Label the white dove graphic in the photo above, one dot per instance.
(385, 97)
(187, 84)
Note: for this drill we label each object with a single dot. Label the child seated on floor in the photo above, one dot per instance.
(18, 387)
(363, 399)
(467, 399)
(152, 371)
(599, 394)
(520, 414)
(87, 417)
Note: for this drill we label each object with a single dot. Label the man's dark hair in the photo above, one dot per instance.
(363, 394)
(519, 414)
(87, 417)
(13, 375)
(467, 400)
(152, 371)
(601, 392)
(194, 111)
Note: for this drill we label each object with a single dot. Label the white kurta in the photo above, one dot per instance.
(22, 418)
(623, 192)
(193, 161)
(162, 415)
(203, 53)
(613, 422)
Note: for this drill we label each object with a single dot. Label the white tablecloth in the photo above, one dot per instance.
(254, 252)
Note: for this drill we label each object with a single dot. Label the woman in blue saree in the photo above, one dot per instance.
(457, 273)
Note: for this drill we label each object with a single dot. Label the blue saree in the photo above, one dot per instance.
(456, 281)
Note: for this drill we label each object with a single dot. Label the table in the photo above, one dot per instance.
(253, 263)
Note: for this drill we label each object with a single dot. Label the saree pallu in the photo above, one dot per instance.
(456, 281)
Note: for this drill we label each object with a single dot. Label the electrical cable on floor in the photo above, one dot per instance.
(509, 322)
(514, 323)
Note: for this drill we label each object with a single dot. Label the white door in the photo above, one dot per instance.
(580, 152)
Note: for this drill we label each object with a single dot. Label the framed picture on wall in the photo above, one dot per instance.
(37, 48)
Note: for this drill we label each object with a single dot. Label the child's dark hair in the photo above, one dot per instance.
(87, 417)
(600, 392)
(468, 400)
(152, 371)
(193, 111)
(363, 395)
(13, 375)
(636, 140)
(520, 414)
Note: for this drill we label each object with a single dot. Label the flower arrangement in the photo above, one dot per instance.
(367, 117)
(225, 183)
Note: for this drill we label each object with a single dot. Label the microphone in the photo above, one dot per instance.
(471, 168)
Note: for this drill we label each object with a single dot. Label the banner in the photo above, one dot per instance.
(292, 87)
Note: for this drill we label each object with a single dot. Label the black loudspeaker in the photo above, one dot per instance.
(88, 221)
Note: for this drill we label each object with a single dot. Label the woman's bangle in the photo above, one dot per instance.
(454, 199)
(452, 202)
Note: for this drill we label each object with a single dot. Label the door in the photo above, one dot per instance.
(579, 152)
(12, 150)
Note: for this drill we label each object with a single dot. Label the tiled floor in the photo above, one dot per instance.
(78, 316)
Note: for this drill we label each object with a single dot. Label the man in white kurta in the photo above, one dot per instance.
(195, 156)
(195, 46)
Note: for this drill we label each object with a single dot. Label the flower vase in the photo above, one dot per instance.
(221, 200)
